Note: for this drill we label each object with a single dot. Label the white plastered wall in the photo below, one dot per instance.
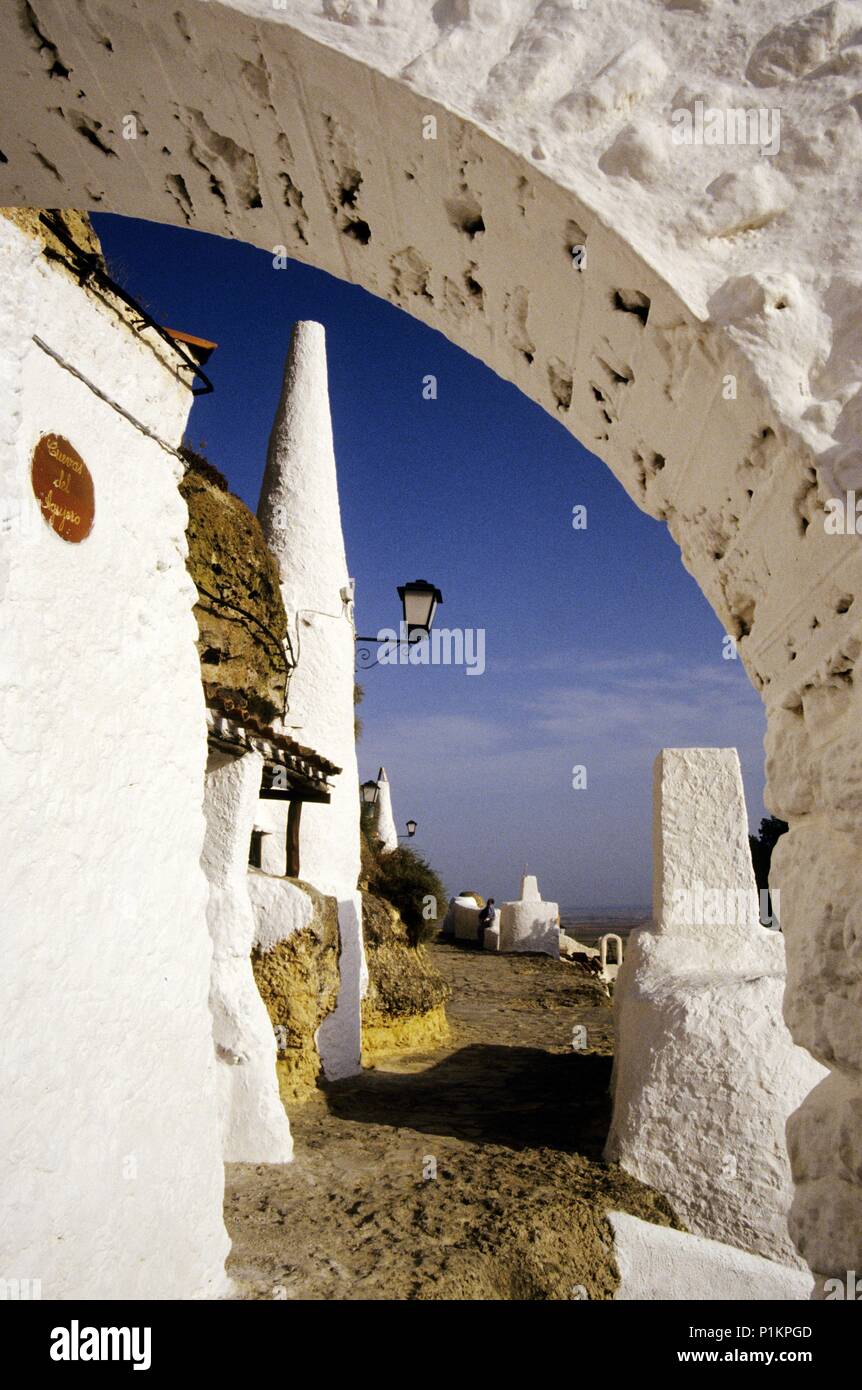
(255, 1127)
(270, 817)
(448, 158)
(111, 1177)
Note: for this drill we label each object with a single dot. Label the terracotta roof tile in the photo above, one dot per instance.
(248, 727)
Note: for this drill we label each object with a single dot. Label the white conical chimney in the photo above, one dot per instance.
(386, 829)
(530, 889)
(298, 508)
(301, 521)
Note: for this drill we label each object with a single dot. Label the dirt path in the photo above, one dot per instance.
(471, 1172)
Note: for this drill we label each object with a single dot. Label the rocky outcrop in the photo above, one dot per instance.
(241, 619)
(77, 226)
(587, 957)
(296, 971)
(405, 1003)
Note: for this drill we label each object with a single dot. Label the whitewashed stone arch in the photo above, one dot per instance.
(708, 351)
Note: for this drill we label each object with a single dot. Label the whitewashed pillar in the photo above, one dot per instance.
(705, 1071)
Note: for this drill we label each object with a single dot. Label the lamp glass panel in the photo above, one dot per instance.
(420, 604)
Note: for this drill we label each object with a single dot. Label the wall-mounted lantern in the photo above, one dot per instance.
(411, 831)
(419, 601)
(368, 794)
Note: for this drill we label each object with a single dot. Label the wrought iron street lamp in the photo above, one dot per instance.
(419, 601)
(368, 794)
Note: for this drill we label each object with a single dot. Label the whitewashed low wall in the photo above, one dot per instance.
(111, 1177)
(464, 916)
(658, 1264)
(530, 927)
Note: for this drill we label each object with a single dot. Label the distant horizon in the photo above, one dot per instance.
(644, 910)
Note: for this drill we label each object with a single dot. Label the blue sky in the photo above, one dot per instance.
(600, 648)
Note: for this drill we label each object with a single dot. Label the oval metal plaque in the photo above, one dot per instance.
(64, 486)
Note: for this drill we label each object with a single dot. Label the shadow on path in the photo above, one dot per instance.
(517, 1097)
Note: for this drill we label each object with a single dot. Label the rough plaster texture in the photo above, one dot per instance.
(280, 909)
(703, 879)
(707, 349)
(657, 1263)
(301, 520)
(530, 924)
(384, 820)
(111, 1174)
(254, 1125)
(705, 1071)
